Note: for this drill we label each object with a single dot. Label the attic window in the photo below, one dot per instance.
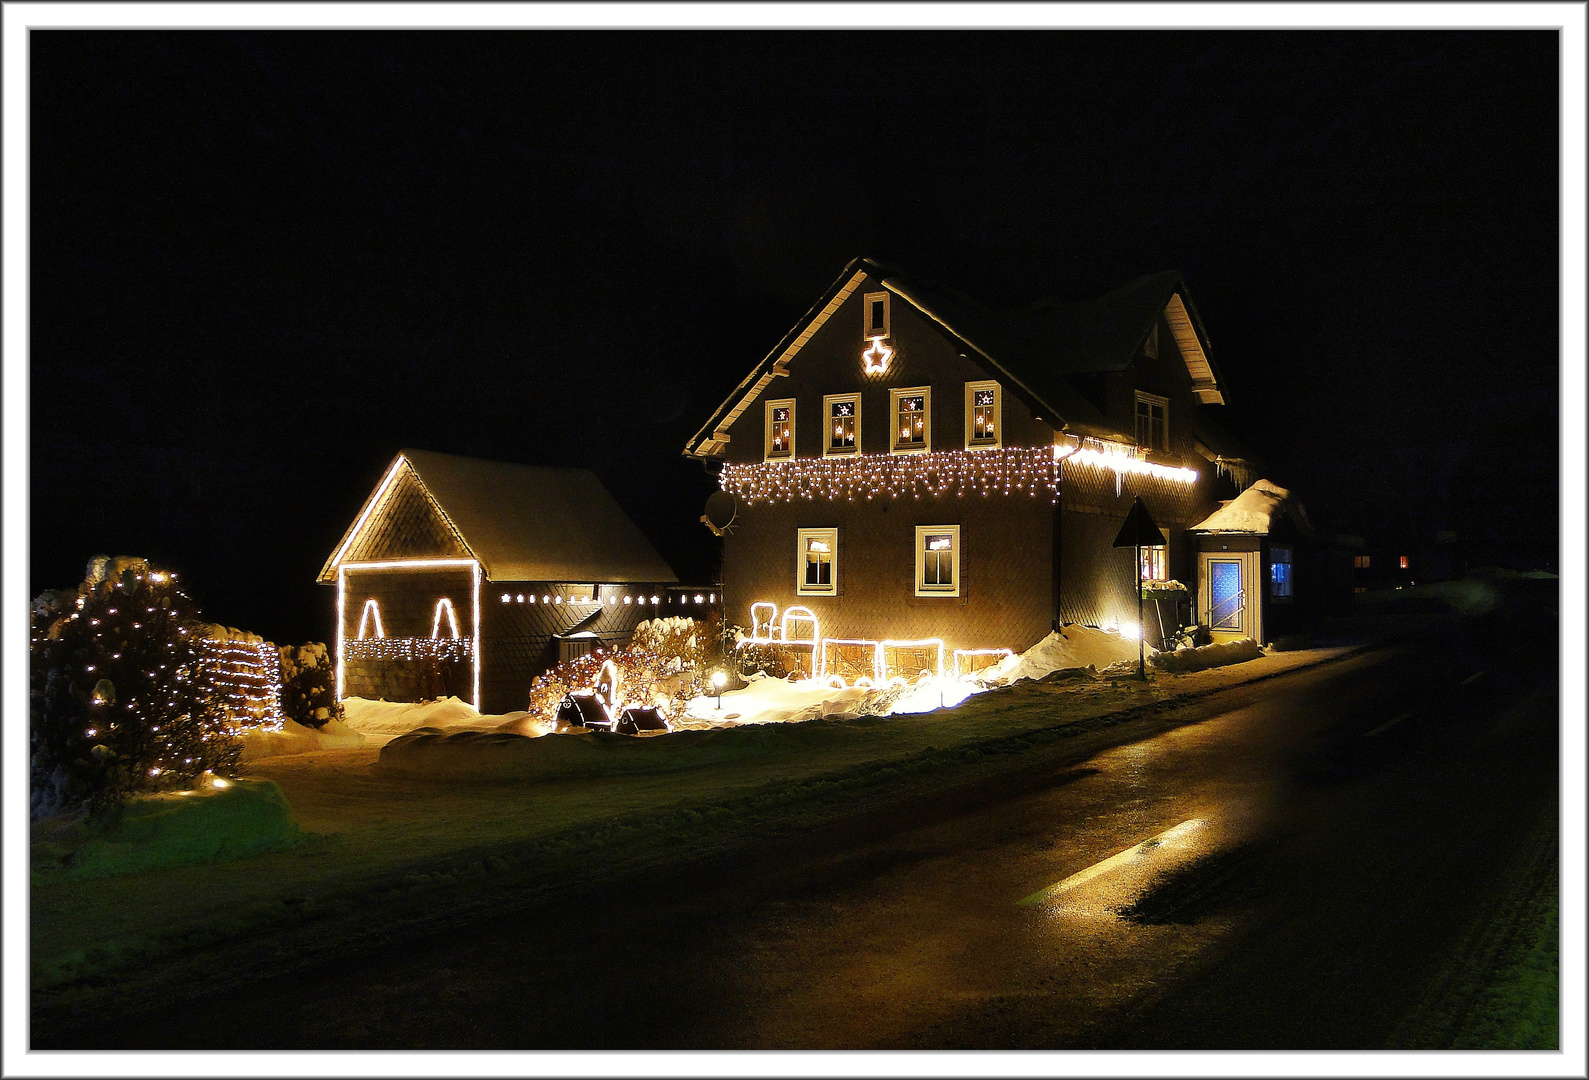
(1153, 421)
(780, 428)
(876, 318)
(983, 422)
(912, 415)
(843, 433)
(1150, 347)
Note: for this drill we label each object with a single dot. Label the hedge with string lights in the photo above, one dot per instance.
(117, 708)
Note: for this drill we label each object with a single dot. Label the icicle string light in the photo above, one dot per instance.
(1029, 471)
(411, 648)
(1015, 471)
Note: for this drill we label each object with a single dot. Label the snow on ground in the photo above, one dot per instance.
(380, 721)
(296, 739)
(1208, 656)
(1075, 646)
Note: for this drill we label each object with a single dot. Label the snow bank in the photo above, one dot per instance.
(482, 755)
(294, 738)
(765, 700)
(1074, 647)
(206, 825)
(1253, 511)
(1207, 656)
(388, 719)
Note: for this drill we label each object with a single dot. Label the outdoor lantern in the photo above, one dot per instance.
(718, 682)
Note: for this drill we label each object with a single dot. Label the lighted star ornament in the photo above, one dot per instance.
(874, 361)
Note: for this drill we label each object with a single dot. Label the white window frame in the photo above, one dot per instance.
(832, 538)
(1163, 559)
(767, 451)
(1151, 400)
(925, 392)
(867, 330)
(828, 449)
(998, 415)
(922, 532)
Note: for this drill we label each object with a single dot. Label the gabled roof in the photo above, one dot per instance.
(1255, 511)
(1032, 349)
(522, 522)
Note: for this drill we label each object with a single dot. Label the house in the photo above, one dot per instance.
(913, 473)
(469, 578)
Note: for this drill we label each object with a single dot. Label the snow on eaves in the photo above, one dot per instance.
(1253, 511)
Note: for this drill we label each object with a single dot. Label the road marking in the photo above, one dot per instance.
(1386, 724)
(1470, 678)
(1081, 877)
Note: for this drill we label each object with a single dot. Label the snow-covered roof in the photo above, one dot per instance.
(522, 522)
(1255, 511)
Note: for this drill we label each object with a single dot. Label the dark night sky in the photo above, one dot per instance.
(264, 262)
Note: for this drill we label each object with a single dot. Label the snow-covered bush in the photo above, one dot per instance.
(308, 685)
(115, 706)
(668, 658)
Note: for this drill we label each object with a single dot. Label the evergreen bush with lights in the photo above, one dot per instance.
(116, 708)
(308, 685)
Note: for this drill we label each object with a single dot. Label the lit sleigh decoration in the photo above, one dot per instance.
(603, 707)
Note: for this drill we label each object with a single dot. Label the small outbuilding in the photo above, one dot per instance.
(1262, 571)
(470, 578)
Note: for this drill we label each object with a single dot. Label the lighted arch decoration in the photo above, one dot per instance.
(371, 607)
(607, 686)
(444, 604)
(760, 628)
(799, 615)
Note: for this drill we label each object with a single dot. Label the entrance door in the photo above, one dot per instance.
(1228, 595)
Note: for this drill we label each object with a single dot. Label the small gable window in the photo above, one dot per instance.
(1150, 347)
(1153, 421)
(843, 433)
(818, 561)
(912, 415)
(780, 429)
(983, 423)
(876, 315)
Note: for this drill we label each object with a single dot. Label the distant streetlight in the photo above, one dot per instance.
(718, 682)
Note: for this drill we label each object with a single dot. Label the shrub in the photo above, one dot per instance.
(308, 685)
(115, 706)
(669, 657)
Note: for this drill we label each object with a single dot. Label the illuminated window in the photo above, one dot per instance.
(1154, 564)
(780, 428)
(912, 413)
(983, 423)
(1404, 562)
(819, 549)
(1150, 347)
(876, 319)
(1153, 426)
(937, 560)
(1280, 572)
(843, 424)
(1362, 562)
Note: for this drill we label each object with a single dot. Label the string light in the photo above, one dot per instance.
(965, 665)
(1029, 471)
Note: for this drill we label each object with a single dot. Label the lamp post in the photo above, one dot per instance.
(718, 680)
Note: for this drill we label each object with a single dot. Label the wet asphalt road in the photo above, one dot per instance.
(1339, 834)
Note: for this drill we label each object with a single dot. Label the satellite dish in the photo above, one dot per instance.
(721, 510)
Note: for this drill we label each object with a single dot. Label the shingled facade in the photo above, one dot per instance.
(469, 578)
(908, 464)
